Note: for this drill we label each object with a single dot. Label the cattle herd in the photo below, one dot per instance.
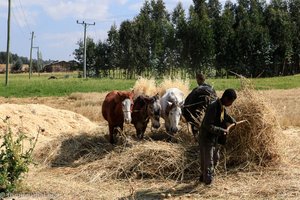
(121, 106)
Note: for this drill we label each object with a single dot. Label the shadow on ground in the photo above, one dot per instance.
(72, 151)
(180, 191)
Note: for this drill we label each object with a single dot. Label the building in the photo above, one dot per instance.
(61, 66)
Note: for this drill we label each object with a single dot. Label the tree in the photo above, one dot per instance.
(294, 7)
(90, 55)
(161, 25)
(280, 29)
(103, 59)
(224, 39)
(113, 43)
(180, 48)
(126, 49)
(142, 41)
(201, 45)
(17, 66)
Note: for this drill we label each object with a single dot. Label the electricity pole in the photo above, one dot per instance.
(30, 63)
(8, 41)
(84, 44)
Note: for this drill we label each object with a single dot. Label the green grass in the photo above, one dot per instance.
(21, 86)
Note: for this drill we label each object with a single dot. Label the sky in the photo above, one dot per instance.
(54, 23)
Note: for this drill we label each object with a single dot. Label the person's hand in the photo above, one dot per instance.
(226, 132)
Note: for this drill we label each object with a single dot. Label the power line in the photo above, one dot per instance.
(25, 18)
(18, 24)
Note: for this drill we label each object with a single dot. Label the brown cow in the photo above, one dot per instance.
(116, 109)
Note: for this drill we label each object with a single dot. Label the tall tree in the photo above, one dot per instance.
(113, 42)
(103, 59)
(201, 44)
(294, 7)
(280, 29)
(126, 48)
(180, 48)
(224, 39)
(90, 52)
(142, 39)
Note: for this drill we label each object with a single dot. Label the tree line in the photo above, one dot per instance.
(250, 37)
(17, 62)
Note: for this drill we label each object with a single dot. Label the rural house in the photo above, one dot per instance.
(61, 66)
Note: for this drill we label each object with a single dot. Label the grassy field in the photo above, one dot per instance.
(21, 86)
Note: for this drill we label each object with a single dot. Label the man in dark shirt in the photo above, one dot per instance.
(213, 132)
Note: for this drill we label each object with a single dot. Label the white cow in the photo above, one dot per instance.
(171, 103)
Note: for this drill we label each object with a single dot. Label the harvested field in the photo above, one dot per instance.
(83, 164)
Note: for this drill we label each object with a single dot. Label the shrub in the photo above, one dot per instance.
(14, 159)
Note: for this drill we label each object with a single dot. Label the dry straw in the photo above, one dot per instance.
(145, 86)
(255, 143)
(181, 84)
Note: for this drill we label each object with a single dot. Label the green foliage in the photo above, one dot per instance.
(249, 37)
(14, 159)
(17, 65)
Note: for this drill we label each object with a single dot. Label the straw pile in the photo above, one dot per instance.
(258, 140)
(145, 86)
(93, 159)
(181, 84)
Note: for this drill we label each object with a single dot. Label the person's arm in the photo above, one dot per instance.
(209, 121)
(229, 119)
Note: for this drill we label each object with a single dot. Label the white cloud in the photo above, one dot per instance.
(122, 2)
(61, 39)
(136, 6)
(23, 17)
(83, 9)
(171, 4)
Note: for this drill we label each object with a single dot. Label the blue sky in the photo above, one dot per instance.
(55, 27)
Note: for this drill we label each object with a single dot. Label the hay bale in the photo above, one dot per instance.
(257, 141)
(181, 84)
(145, 86)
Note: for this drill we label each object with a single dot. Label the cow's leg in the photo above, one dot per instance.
(111, 133)
(144, 130)
(139, 130)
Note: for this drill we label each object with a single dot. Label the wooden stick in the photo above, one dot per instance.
(234, 124)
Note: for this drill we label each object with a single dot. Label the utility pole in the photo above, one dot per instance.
(84, 44)
(8, 42)
(30, 63)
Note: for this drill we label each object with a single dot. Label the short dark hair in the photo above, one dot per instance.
(230, 94)
(200, 76)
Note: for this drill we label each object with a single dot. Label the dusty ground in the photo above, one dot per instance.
(46, 182)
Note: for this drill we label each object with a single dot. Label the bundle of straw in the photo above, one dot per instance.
(167, 83)
(144, 86)
(257, 141)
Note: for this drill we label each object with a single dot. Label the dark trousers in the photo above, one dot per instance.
(209, 158)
